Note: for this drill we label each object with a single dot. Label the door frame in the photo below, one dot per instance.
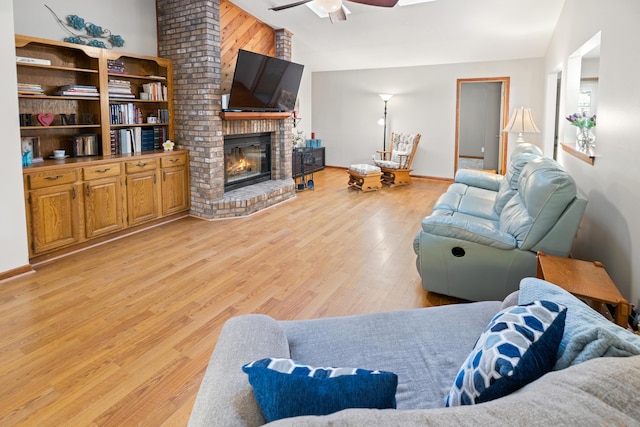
(504, 144)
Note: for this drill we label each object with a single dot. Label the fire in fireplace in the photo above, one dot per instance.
(247, 160)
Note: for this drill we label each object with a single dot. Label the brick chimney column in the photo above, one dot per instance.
(189, 34)
(283, 145)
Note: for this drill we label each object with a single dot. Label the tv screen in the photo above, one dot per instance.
(264, 83)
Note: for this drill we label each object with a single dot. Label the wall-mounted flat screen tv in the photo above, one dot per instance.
(264, 83)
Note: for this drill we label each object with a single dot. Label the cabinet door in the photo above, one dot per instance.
(54, 215)
(175, 190)
(103, 206)
(142, 197)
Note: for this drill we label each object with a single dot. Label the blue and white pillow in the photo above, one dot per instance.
(518, 346)
(285, 388)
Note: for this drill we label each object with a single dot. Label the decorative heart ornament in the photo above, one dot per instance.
(45, 119)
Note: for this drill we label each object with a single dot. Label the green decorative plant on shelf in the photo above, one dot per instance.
(585, 137)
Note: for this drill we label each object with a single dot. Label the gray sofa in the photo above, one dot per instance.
(425, 348)
(477, 243)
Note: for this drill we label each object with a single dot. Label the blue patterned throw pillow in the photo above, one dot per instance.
(518, 346)
(285, 388)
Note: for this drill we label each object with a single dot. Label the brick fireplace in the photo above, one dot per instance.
(189, 34)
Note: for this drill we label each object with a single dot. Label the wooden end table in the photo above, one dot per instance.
(584, 279)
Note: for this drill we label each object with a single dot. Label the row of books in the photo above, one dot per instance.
(156, 91)
(78, 90)
(120, 89)
(135, 140)
(130, 114)
(115, 66)
(30, 89)
(125, 114)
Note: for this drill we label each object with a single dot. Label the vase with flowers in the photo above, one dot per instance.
(585, 137)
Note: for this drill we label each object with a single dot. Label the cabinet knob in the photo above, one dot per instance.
(105, 170)
(141, 165)
(53, 178)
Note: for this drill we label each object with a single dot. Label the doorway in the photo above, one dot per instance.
(482, 111)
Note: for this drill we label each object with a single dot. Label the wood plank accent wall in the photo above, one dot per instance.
(239, 30)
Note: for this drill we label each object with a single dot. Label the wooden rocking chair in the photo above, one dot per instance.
(396, 163)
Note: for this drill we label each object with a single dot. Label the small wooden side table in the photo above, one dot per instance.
(584, 279)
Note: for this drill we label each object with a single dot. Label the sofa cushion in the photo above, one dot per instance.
(285, 388)
(596, 393)
(587, 333)
(408, 343)
(518, 346)
(545, 190)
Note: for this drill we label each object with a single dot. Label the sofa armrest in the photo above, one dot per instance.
(480, 179)
(468, 230)
(225, 397)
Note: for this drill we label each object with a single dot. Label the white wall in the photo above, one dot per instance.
(346, 107)
(13, 233)
(610, 231)
(134, 20)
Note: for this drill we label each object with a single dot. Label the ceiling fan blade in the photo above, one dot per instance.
(337, 16)
(381, 3)
(290, 5)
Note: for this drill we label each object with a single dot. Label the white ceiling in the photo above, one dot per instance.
(439, 32)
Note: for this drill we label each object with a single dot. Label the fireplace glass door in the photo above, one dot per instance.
(247, 160)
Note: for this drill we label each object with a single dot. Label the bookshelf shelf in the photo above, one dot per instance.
(115, 126)
(60, 98)
(65, 65)
(53, 67)
(46, 128)
(137, 77)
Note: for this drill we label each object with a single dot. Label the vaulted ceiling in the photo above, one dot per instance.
(437, 32)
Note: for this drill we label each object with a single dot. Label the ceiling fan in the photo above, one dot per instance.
(334, 7)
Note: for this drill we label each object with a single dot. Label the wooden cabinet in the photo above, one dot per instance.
(175, 184)
(67, 91)
(311, 159)
(142, 190)
(71, 93)
(81, 199)
(53, 206)
(103, 211)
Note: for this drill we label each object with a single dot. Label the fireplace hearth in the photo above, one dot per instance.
(247, 160)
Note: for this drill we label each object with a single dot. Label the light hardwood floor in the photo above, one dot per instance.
(120, 334)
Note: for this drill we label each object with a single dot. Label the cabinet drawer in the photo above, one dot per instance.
(51, 178)
(141, 165)
(175, 160)
(101, 171)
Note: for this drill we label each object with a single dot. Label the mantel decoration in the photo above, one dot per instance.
(86, 33)
(585, 137)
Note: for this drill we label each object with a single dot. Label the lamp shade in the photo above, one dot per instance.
(385, 97)
(521, 122)
(329, 5)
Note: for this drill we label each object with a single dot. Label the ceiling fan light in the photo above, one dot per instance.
(329, 5)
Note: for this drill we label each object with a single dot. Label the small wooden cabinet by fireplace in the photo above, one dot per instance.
(315, 154)
(174, 183)
(142, 190)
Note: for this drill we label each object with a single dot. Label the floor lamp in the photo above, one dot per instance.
(383, 120)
